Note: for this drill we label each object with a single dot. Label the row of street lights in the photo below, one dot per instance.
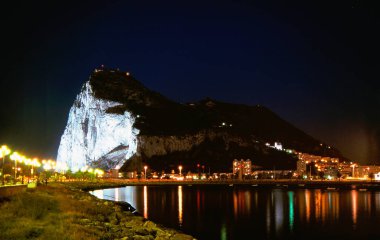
(4, 151)
(179, 168)
(21, 159)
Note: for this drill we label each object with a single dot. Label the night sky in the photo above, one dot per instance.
(314, 64)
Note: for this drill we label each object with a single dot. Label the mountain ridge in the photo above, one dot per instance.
(204, 114)
(166, 133)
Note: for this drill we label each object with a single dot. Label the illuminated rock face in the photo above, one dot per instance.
(94, 137)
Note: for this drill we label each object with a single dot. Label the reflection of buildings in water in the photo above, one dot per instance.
(275, 212)
(145, 202)
(318, 204)
(300, 203)
(324, 207)
(223, 232)
(236, 205)
(200, 202)
(98, 193)
(116, 194)
(130, 196)
(242, 203)
(268, 216)
(377, 201)
(354, 203)
(163, 201)
(278, 211)
(291, 210)
(307, 204)
(256, 197)
(330, 206)
(180, 210)
(335, 205)
(247, 199)
(367, 201)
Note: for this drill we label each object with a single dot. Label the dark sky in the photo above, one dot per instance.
(315, 64)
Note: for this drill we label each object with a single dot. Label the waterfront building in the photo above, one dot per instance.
(273, 174)
(242, 167)
(376, 176)
(345, 169)
(327, 167)
(367, 171)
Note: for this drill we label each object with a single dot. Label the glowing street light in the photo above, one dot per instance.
(61, 167)
(4, 151)
(34, 163)
(98, 172)
(16, 157)
(145, 168)
(353, 169)
(180, 170)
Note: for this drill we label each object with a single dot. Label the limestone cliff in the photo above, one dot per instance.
(94, 137)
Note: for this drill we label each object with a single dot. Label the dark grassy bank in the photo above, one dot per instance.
(63, 211)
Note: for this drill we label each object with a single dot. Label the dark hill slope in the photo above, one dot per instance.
(157, 115)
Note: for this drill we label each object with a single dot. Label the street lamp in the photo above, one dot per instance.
(4, 151)
(15, 157)
(145, 168)
(35, 163)
(353, 169)
(180, 170)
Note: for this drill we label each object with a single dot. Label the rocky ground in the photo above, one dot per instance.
(65, 211)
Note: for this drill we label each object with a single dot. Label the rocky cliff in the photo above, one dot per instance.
(94, 137)
(117, 122)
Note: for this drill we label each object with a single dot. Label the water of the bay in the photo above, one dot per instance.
(225, 212)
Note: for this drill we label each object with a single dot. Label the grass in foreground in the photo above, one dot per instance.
(49, 213)
(62, 211)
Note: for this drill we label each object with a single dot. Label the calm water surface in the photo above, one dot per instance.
(224, 212)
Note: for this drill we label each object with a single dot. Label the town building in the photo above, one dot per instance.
(323, 167)
(367, 171)
(241, 167)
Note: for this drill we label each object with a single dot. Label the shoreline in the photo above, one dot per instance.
(290, 184)
(66, 211)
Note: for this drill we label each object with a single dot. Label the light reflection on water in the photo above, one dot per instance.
(278, 210)
(116, 194)
(232, 213)
(307, 204)
(291, 210)
(98, 193)
(354, 199)
(180, 210)
(145, 202)
(242, 203)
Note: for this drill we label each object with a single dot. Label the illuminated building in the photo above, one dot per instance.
(366, 171)
(327, 166)
(242, 167)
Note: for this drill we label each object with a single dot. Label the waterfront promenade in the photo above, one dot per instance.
(262, 183)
